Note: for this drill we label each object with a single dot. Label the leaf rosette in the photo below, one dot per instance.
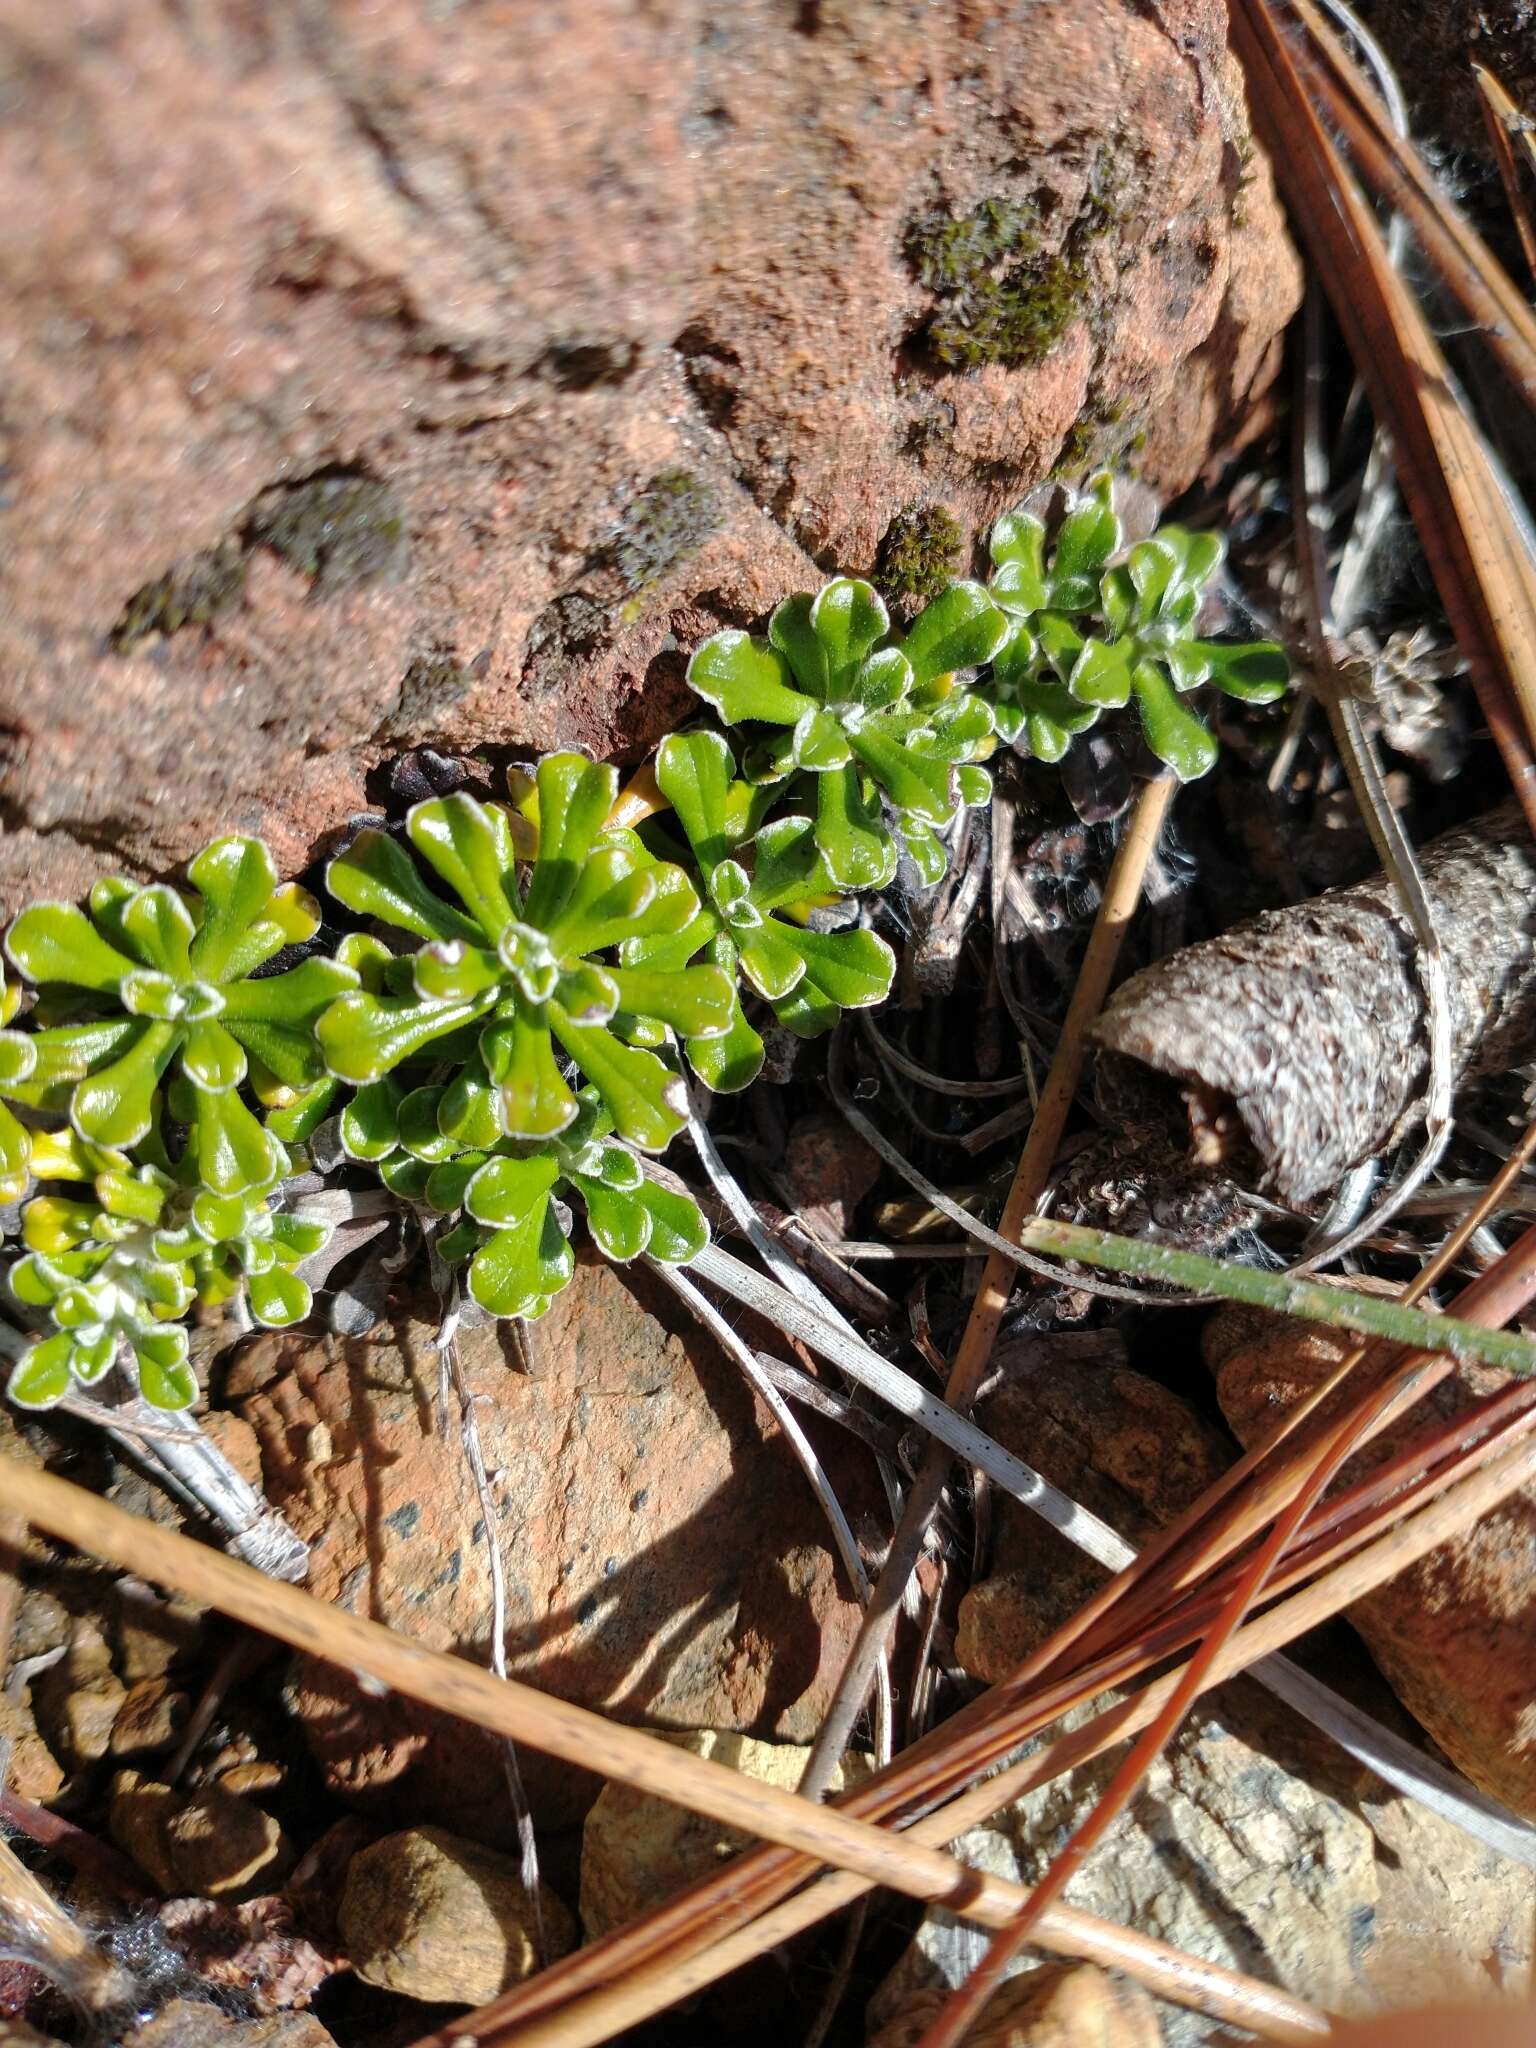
(504, 974)
(514, 1227)
(115, 1265)
(155, 980)
(1092, 631)
(758, 885)
(869, 716)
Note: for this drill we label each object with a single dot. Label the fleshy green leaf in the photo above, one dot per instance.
(848, 618)
(929, 858)
(608, 903)
(376, 877)
(235, 878)
(233, 1151)
(457, 838)
(299, 1237)
(645, 1098)
(575, 797)
(1086, 539)
(210, 1058)
(370, 1123)
(1173, 733)
(619, 1221)
(820, 743)
(362, 1037)
(913, 781)
(678, 1230)
(1101, 675)
(165, 1378)
(515, 1271)
(858, 850)
(534, 1098)
(792, 631)
(160, 927)
(694, 771)
(853, 969)
(55, 942)
(960, 628)
(18, 1058)
(745, 679)
(115, 1104)
(296, 1119)
(468, 1111)
(15, 1157)
(1256, 671)
(42, 1376)
(1017, 546)
(696, 1001)
(278, 1298)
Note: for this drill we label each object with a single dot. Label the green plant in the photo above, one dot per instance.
(918, 555)
(867, 714)
(1090, 633)
(512, 1043)
(1000, 299)
(154, 980)
(114, 1263)
(504, 973)
(18, 1060)
(507, 1197)
(757, 884)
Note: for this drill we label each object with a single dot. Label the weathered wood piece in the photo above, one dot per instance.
(1302, 1032)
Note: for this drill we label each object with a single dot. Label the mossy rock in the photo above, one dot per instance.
(340, 528)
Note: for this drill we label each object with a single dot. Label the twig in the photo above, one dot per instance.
(594, 2018)
(37, 1930)
(975, 1738)
(1122, 892)
(1370, 1315)
(577, 1736)
(190, 1466)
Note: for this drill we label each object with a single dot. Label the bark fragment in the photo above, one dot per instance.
(1309, 1022)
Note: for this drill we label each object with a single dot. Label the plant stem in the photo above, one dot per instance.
(1213, 1279)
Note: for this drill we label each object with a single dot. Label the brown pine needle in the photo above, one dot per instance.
(1399, 174)
(974, 1739)
(661, 1980)
(1511, 130)
(1466, 529)
(642, 1761)
(1338, 1446)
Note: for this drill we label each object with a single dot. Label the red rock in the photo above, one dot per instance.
(1455, 1634)
(608, 312)
(1123, 1446)
(268, 1950)
(829, 1170)
(665, 1560)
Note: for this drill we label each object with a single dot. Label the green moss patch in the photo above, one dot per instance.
(339, 527)
(666, 523)
(918, 555)
(195, 593)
